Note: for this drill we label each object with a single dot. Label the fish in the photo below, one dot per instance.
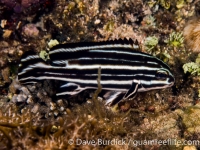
(125, 70)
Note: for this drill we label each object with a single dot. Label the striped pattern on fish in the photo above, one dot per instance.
(124, 70)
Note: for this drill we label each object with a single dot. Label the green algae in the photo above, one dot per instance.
(151, 42)
(175, 39)
(44, 55)
(193, 67)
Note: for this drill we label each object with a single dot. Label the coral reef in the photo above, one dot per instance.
(32, 117)
(15, 13)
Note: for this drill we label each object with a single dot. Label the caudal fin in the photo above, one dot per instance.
(30, 66)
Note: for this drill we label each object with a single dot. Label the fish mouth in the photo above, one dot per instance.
(171, 81)
(171, 84)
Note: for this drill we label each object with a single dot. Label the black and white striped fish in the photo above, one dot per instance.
(124, 71)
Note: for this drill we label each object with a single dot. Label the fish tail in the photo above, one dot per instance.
(30, 67)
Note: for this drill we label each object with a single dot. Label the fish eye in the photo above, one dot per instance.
(162, 74)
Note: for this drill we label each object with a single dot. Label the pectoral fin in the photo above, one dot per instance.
(132, 91)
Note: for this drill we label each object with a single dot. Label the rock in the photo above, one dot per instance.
(190, 118)
(21, 98)
(30, 30)
(25, 91)
(6, 74)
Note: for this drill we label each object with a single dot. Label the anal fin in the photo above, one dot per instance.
(113, 97)
(69, 89)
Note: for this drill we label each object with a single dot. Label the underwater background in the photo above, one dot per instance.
(32, 118)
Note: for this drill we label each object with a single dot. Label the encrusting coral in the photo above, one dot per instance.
(191, 35)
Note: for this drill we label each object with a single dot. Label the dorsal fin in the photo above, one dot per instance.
(88, 44)
(28, 53)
